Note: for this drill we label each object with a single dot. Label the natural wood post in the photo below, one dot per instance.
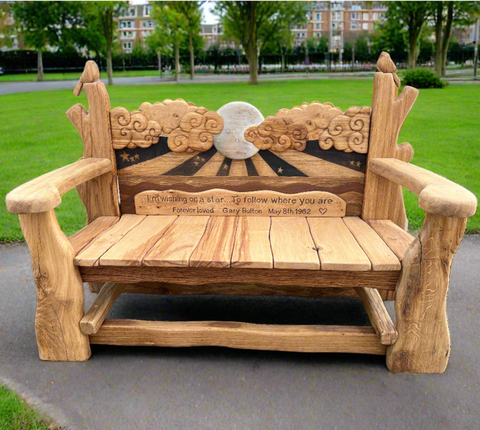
(423, 344)
(383, 199)
(59, 290)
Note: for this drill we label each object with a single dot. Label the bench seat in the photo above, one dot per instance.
(327, 244)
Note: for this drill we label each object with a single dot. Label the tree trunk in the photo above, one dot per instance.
(177, 61)
(159, 58)
(192, 58)
(438, 38)
(109, 64)
(40, 66)
(447, 32)
(252, 63)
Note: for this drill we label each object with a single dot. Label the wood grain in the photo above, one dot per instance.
(361, 340)
(423, 344)
(90, 255)
(134, 245)
(349, 189)
(292, 244)
(83, 237)
(379, 254)
(44, 193)
(273, 277)
(59, 290)
(99, 309)
(337, 248)
(252, 244)
(215, 247)
(379, 317)
(436, 195)
(397, 239)
(384, 199)
(218, 202)
(178, 243)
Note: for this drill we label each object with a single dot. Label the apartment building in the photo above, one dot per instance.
(135, 23)
(8, 29)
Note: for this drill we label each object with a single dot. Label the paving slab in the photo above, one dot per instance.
(220, 388)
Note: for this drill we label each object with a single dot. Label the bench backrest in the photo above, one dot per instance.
(312, 147)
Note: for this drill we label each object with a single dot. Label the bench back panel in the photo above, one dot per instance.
(312, 147)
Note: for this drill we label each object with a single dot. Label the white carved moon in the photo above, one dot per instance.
(237, 117)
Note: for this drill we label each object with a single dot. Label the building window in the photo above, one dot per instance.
(318, 26)
(353, 26)
(146, 10)
(319, 16)
(150, 23)
(365, 25)
(356, 7)
(127, 45)
(334, 26)
(355, 15)
(336, 16)
(132, 12)
(365, 16)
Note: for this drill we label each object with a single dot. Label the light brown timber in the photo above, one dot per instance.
(379, 254)
(379, 317)
(252, 244)
(133, 246)
(59, 290)
(209, 275)
(436, 194)
(44, 193)
(348, 339)
(423, 344)
(396, 238)
(336, 246)
(383, 199)
(90, 255)
(99, 309)
(83, 237)
(292, 245)
(178, 243)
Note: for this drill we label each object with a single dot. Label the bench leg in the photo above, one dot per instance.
(60, 292)
(423, 344)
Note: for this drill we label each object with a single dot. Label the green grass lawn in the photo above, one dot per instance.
(36, 136)
(15, 414)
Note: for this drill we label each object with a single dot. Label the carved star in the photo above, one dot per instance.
(280, 170)
(124, 156)
(132, 159)
(202, 159)
(197, 157)
(136, 156)
(225, 167)
(196, 163)
(358, 163)
(352, 163)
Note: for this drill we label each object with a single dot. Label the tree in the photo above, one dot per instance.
(101, 27)
(192, 17)
(160, 40)
(445, 15)
(251, 22)
(6, 30)
(413, 15)
(389, 37)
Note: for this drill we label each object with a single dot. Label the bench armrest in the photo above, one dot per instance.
(436, 194)
(44, 193)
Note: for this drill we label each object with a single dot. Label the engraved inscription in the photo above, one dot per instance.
(219, 202)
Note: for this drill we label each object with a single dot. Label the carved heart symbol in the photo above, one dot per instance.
(323, 211)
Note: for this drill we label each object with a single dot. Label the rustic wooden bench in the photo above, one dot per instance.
(182, 200)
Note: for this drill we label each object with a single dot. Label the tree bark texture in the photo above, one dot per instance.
(177, 61)
(40, 66)
(192, 58)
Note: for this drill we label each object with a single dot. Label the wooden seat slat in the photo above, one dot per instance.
(215, 247)
(292, 244)
(83, 237)
(397, 239)
(337, 248)
(380, 255)
(130, 250)
(90, 255)
(252, 243)
(178, 243)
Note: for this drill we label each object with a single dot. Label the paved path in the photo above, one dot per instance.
(214, 388)
(26, 87)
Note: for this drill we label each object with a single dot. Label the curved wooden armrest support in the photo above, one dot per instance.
(436, 194)
(44, 193)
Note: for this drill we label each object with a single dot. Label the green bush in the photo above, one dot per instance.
(423, 78)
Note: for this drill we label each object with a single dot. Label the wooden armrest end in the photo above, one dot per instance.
(436, 194)
(44, 193)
